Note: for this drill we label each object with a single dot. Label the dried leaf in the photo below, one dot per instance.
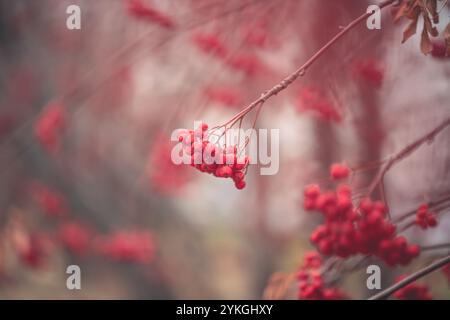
(410, 30)
(425, 44)
(414, 12)
(431, 6)
(429, 27)
(404, 7)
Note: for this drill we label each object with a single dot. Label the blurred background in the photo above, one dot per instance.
(85, 123)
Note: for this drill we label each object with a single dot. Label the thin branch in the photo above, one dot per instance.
(415, 276)
(435, 247)
(405, 152)
(433, 206)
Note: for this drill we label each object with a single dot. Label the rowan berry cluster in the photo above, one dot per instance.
(50, 126)
(311, 283)
(211, 158)
(413, 291)
(75, 236)
(165, 177)
(425, 218)
(369, 71)
(50, 202)
(311, 99)
(32, 249)
(349, 230)
(127, 246)
(247, 62)
(143, 11)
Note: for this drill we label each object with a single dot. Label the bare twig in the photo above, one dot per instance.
(415, 276)
(405, 152)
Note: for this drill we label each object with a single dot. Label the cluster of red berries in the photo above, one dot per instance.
(211, 158)
(369, 71)
(75, 236)
(50, 126)
(50, 202)
(78, 237)
(349, 230)
(165, 177)
(122, 246)
(247, 62)
(210, 43)
(224, 95)
(256, 36)
(143, 11)
(413, 291)
(32, 249)
(311, 283)
(425, 218)
(127, 246)
(312, 100)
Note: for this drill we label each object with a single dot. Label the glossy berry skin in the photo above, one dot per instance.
(339, 171)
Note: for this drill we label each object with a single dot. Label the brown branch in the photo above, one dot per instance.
(302, 70)
(405, 152)
(415, 276)
(435, 247)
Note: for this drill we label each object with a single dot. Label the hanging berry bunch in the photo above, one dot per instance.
(425, 218)
(349, 230)
(211, 158)
(311, 283)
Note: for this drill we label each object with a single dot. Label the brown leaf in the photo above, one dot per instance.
(410, 30)
(425, 44)
(414, 11)
(431, 6)
(404, 7)
(428, 26)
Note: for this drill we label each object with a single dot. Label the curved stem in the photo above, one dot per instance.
(405, 152)
(415, 276)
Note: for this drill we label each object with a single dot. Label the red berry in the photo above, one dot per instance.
(339, 171)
